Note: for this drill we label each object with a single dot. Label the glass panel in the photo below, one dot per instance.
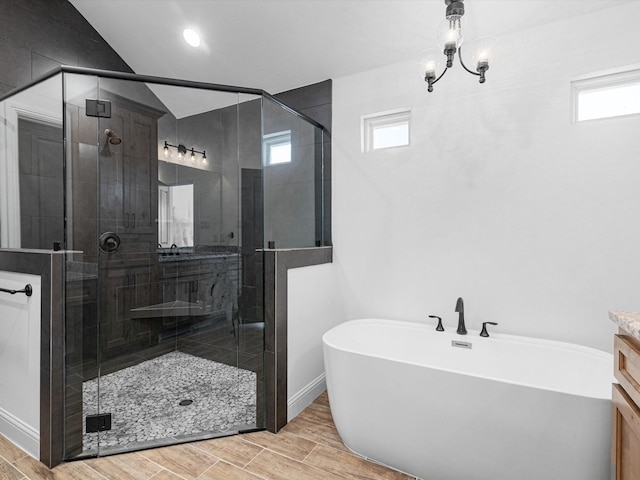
(391, 135)
(247, 171)
(31, 170)
(81, 299)
(611, 101)
(175, 335)
(293, 190)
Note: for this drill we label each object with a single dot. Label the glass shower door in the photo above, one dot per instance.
(127, 273)
(177, 357)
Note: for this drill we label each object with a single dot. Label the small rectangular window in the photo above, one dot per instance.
(606, 95)
(276, 148)
(385, 130)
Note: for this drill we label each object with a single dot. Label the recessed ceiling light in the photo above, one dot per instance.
(191, 37)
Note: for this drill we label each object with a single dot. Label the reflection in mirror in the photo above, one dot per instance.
(189, 207)
(175, 215)
(31, 193)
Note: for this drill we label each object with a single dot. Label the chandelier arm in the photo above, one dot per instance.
(463, 65)
(441, 75)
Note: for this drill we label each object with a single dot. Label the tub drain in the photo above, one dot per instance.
(184, 403)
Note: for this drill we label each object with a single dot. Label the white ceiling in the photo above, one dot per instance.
(278, 45)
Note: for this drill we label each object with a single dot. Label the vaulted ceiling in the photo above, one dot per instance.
(278, 45)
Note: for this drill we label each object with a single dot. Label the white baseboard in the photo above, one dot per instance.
(24, 436)
(302, 399)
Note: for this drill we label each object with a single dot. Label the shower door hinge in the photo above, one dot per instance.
(98, 423)
(98, 108)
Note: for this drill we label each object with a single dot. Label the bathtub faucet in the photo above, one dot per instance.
(460, 309)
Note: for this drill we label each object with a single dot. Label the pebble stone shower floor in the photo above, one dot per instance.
(144, 400)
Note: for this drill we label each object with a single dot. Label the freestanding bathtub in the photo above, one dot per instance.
(509, 407)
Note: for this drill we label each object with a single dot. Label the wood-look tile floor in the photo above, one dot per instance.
(308, 448)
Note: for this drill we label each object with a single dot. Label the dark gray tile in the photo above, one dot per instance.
(307, 96)
(41, 65)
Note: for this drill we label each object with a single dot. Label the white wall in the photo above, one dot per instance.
(20, 362)
(500, 199)
(314, 306)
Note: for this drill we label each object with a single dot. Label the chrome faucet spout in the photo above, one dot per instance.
(462, 330)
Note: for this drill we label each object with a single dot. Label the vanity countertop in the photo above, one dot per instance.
(628, 321)
(186, 257)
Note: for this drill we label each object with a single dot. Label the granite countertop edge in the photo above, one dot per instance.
(628, 321)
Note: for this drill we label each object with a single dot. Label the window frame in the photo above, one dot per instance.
(391, 118)
(603, 80)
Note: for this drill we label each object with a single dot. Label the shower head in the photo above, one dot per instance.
(112, 137)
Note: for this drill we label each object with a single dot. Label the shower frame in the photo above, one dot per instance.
(276, 262)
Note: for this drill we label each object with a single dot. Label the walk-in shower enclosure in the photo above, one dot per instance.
(163, 195)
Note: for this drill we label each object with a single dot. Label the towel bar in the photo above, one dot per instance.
(27, 290)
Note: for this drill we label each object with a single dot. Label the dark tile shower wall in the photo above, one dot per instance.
(38, 35)
(315, 101)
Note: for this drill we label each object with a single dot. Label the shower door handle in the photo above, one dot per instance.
(109, 242)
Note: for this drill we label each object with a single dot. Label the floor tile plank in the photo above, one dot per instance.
(317, 413)
(166, 475)
(74, 471)
(323, 399)
(10, 452)
(33, 469)
(350, 466)
(184, 460)
(8, 472)
(128, 466)
(234, 450)
(273, 466)
(316, 432)
(226, 471)
(284, 443)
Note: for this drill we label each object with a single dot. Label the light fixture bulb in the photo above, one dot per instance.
(449, 34)
(193, 155)
(191, 37)
(166, 149)
(430, 64)
(204, 157)
(483, 53)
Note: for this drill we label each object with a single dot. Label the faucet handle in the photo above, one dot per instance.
(439, 328)
(484, 332)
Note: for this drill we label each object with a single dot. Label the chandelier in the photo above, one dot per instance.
(450, 41)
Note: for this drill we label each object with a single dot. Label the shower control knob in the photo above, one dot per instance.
(109, 242)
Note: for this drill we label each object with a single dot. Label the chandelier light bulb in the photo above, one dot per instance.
(451, 42)
(430, 69)
(482, 54)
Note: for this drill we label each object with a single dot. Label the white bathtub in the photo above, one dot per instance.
(511, 408)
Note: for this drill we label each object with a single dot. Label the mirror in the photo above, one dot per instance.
(189, 206)
(175, 215)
